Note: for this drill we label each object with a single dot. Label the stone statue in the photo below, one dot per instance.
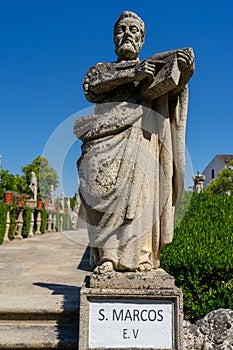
(51, 195)
(198, 182)
(132, 165)
(33, 185)
(62, 201)
(68, 204)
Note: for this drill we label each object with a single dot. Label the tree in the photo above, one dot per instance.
(10, 182)
(46, 175)
(223, 184)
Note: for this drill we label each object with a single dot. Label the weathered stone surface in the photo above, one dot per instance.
(157, 279)
(132, 165)
(213, 332)
(135, 292)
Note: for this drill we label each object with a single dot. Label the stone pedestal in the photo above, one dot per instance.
(133, 310)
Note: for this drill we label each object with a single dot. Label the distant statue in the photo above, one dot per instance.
(68, 204)
(33, 185)
(61, 201)
(132, 165)
(198, 182)
(51, 202)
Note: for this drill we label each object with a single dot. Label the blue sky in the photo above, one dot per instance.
(47, 46)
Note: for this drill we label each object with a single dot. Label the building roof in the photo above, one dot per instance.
(226, 158)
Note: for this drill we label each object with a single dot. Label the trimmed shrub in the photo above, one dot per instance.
(44, 217)
(26, 221)
(13, 218)
(3, 212)
(200, 256)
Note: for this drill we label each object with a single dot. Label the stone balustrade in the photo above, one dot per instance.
(55, 221)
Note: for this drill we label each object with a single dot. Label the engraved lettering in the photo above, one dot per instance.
(152, 315)
(101, 313)
(142, 312)
(117, 317)
(136, 315)
(128, 316)
(160, 315)
(135, 333)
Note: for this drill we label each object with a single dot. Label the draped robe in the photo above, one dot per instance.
(132, 165)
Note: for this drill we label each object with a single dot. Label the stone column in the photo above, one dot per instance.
(31, 204)
(31, 234)
(49, 222)
(54, 222)
(19, 226)
(8, 223)
(38, 222)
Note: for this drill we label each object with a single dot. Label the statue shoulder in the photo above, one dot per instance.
(99, 68)
(187, 51)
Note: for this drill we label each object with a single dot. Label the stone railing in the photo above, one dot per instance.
(55, 219)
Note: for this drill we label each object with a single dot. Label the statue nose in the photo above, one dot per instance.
(127, 32)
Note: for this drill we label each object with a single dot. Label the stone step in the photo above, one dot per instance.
(40, 285)
(33, 308)
(34, 322)
(34, 335)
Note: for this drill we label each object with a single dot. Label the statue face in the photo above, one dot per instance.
(128, 39)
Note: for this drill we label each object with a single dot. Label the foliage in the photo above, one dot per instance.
(44, 217)
(45, 174)
(200, 256)
(223, 184)
(57, 224)
(183, 207)
(13, 218)
(3, 212)
(26, 221)
(73, 201)
(10, 182)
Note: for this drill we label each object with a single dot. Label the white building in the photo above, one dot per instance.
(216, 164)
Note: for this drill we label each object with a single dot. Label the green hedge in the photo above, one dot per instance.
(201, 254)
(26, 221)
(14, 212)
(44, 217)
(13, 218)
(3, 211)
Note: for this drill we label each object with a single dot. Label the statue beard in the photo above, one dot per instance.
(127, 51)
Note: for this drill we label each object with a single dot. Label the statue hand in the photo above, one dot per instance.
(185, 58)
(145, 69)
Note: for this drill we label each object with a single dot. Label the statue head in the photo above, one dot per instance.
(129, 33)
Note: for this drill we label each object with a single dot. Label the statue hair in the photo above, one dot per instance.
(128, 14)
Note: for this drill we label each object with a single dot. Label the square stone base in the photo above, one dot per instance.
(131, 310)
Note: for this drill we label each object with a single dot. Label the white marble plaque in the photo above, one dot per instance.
(131, 323)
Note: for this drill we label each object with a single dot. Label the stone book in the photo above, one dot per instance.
(166, 78)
